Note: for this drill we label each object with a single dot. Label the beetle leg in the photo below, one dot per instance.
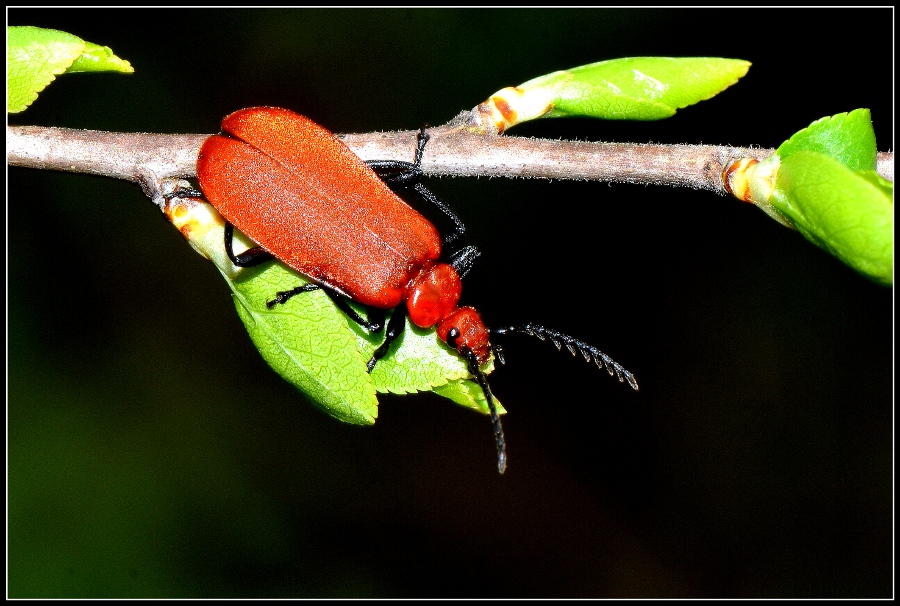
(403, 175)
(399, 173)
(283, 296)
(257, 255)
(498, 352)
(375, 322)
(463, 259)
(396, 173)
(432, 199)
(394, 328)
(183, 192)
(373, 326)
(409, 177)
(248, 258)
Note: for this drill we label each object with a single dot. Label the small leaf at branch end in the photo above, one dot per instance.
(822, 181)
(97, 58)
(637, 88)
(35, 56)
(848, 213)
(848, 138)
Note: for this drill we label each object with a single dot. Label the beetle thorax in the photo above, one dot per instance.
(433, 294)
(432, 298)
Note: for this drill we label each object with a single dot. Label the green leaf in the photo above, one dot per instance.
(636, 88)
(96, 58)
(311, 343)
(307, 342)
(35, 56)
(848, 138)
(823, 182)
(848, 213)
(886, 187)
(315, 347)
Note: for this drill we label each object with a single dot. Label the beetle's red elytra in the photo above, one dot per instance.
(300, 193)
(306, 199)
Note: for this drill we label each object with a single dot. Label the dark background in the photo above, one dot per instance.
(152, 453)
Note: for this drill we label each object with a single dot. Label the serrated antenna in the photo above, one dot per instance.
(574, 346)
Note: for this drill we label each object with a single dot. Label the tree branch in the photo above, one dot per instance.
(452, 151)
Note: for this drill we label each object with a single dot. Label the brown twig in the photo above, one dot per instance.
(452, 151)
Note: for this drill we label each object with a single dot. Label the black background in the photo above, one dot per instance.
(152, 453)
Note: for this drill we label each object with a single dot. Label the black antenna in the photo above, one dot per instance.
(573, 345)
(495, 418)
(475, 371)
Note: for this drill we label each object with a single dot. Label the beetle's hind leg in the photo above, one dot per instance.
(376, 316)
(395, 326)
(373, 325)
(255, 256)
(250, 257)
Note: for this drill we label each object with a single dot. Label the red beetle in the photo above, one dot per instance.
(298, 192)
